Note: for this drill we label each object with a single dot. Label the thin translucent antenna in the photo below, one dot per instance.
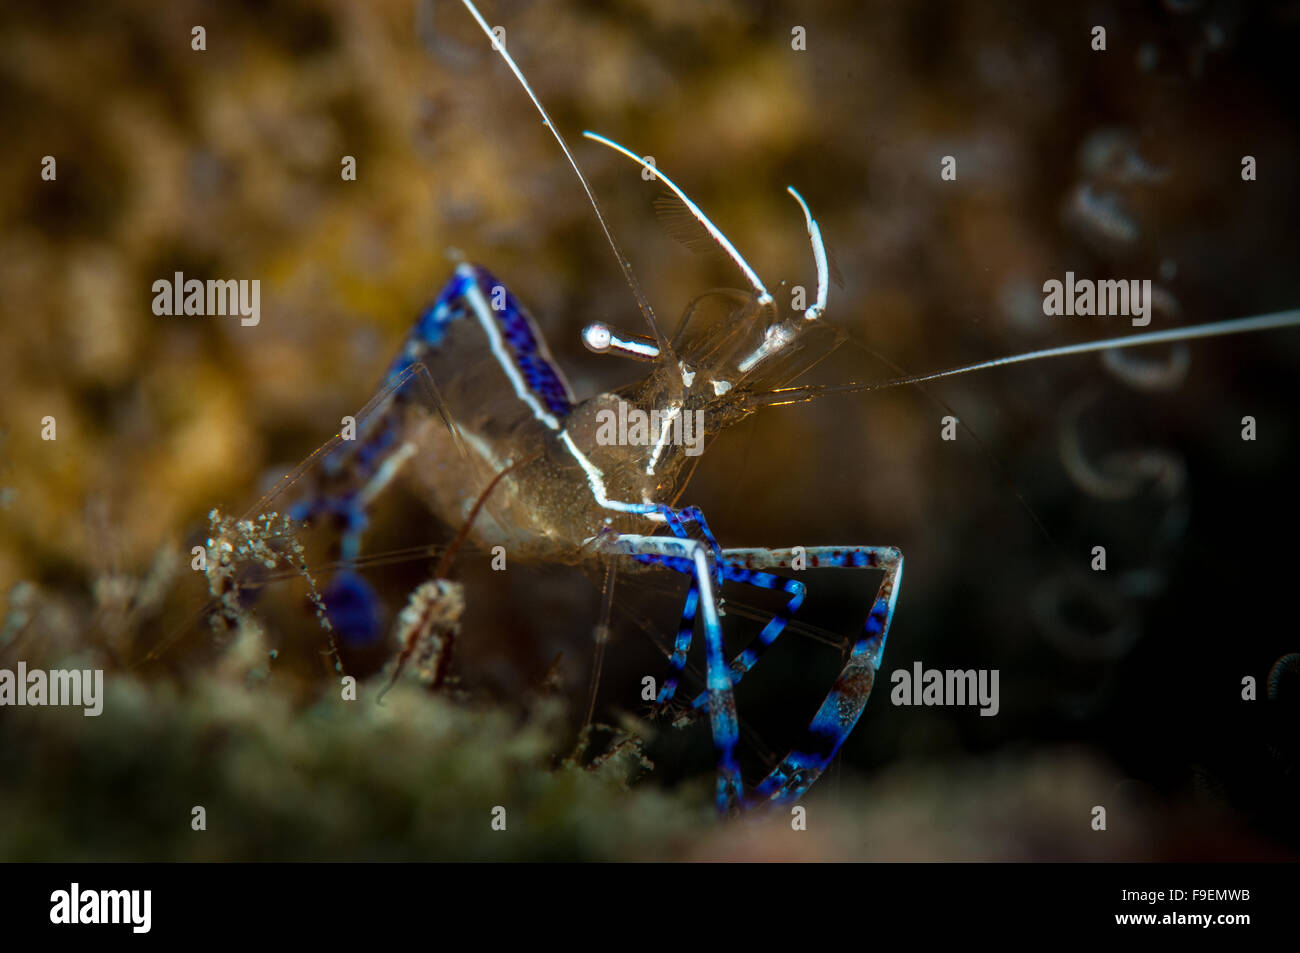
(601, 634)
(819, 253)
(764, 299)
(1263, 322)
(641, 301)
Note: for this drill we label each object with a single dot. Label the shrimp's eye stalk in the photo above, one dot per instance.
(599, 338)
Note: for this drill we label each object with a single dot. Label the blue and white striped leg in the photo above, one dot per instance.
(722, 706)
(734, 569)
(676, 520)
(681, 647)
(848, 697)
(737, 567)
(473, 310)
(353, 473)
(843, 706)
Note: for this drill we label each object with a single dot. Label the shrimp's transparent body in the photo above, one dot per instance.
(474, 397)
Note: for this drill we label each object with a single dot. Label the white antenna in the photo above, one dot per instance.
(819, 254)
(642, 303)
(1262, 322)
(764, 299)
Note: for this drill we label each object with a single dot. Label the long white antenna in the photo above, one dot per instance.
(647, 312)
(715, 233)
(1262, 322)
(819, 254)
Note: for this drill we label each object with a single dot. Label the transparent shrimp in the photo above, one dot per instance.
(475, 415)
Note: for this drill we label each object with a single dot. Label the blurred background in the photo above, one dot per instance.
(1121, 688)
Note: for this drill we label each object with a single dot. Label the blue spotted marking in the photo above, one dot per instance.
(352, 608)
(539, 375)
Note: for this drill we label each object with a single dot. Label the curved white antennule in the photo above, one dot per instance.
(764, 299)
(819, 254)
(642, 303)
